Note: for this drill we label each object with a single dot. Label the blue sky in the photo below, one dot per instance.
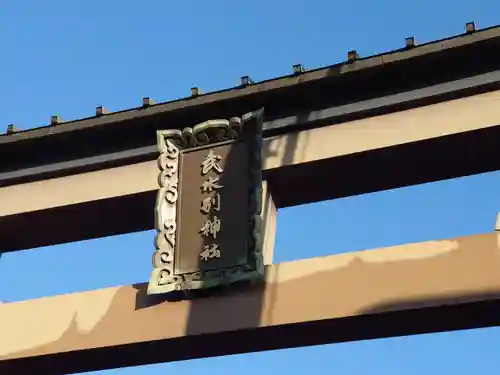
(66, 57)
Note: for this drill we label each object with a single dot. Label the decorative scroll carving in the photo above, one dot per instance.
(171, 144)
(166, 212)
(208, 132)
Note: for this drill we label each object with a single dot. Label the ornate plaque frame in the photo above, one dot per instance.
(171, 143)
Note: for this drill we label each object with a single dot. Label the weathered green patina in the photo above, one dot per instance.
(240, 257)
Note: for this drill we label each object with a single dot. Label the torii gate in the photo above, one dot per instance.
(370, 124)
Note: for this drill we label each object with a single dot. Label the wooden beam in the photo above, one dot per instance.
(445, 140)
(415, 288)
(309, 146)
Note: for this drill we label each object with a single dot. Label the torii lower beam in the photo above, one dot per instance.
(409, 289)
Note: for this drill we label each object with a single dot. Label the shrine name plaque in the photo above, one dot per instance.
(208, 205)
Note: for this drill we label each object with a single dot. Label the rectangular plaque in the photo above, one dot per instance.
(208, 206)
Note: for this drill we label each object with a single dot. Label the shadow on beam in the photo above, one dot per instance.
(436, 159)
(409, 164)
(96, 219)
(401, 290)
(369, 326)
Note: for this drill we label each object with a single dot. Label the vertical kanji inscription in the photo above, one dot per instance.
(211, 226)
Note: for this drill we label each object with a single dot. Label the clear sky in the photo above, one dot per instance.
(67, 57)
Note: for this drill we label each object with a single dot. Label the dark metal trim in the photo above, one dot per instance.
(405, 100)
